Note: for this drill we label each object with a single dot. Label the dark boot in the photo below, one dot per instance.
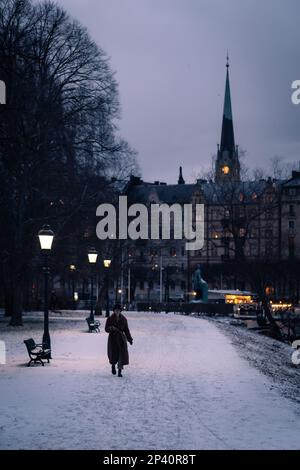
(120, 373)
(113, 369)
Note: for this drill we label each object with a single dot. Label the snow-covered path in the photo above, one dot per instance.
(186, 388)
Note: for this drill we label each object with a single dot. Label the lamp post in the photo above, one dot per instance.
(107, 263)
(92, 256)
(161, 279)
(73, 272)
(46, 237)
(129, 287)
(120, 294)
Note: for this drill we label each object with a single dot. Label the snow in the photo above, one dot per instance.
(187, 387)
(271, 357)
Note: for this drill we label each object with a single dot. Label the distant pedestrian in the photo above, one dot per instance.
(119, 334)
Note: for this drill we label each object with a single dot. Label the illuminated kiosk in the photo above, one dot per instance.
(235, 297)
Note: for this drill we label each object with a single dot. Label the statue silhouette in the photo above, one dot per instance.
(200, 286)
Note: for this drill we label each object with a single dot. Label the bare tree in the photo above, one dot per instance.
(58, 136)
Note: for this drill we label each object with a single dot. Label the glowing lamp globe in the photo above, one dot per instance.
(92, 256)
(46, 237)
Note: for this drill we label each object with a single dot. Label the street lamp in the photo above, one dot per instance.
(73, 273)
(92, 256)
(107, 263)
(120, 295)
(46, 237)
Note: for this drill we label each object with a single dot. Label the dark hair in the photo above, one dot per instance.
(117, 307)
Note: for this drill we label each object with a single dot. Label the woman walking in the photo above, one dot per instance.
(119, 334)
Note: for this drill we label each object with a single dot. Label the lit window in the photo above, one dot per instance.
(226, 170)
(173, 252)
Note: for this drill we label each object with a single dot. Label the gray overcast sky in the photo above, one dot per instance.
(170, 56)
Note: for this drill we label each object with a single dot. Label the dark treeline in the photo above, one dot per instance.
(59, 142)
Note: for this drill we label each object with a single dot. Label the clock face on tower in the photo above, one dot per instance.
(225, 170)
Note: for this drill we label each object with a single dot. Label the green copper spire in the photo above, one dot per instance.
(227, 138)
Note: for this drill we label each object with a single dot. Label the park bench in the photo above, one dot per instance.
(94, 325)
(36, 352)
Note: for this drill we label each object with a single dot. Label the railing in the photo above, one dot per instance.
(186, 308)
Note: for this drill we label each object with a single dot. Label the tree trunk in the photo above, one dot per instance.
(17, 300)
(8, 304)
(16, 318)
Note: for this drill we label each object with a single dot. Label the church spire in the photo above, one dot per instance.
(181, 179)
(227, 164)
(227, 137)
